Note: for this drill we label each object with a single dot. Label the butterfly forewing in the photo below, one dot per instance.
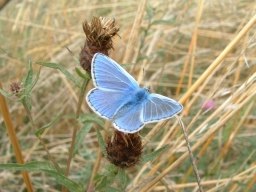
(158, 107)
(107, 74)
(105, 102)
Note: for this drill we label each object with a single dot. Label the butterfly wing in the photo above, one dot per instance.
(158, 107)
(107, 74)
(131, 121)
(105, 103)
(113, 85)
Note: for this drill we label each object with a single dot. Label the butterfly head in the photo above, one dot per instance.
(147, 89)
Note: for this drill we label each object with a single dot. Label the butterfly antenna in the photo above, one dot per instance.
(190, 153)
(143, 76)
(72, 54)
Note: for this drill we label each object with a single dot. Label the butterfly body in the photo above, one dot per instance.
(134, 100)
(119, 98)
(141, 95)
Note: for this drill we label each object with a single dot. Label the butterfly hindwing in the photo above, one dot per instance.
(158, 107)
(131, 121)
(107, 74)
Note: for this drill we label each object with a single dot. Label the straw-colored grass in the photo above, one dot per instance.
(196, 52)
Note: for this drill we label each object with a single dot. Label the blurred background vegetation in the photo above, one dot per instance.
(166, 45)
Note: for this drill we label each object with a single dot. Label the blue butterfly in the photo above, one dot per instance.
(119, 98)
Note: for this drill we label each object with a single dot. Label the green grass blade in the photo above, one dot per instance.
(101, 143)
(81, 135)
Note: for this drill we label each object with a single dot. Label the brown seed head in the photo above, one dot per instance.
(15, 88)
(124, 150)
(99, 34)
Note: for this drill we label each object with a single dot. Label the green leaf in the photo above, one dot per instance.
(83, 118)
(5, 93)
(31, 166)
(36, 78)
(62, 180)
(46, 168)
(123, 178)
(81, 135)
(101, 182)
(111, 169)
(41, 130)
(61, 69)
(28, 85)
(150, 11)
(150, 157)
(26, 101)
(28, 79)
(82, 75)
(107, 178)
(101, 143)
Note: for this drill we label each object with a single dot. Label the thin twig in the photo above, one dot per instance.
(190, 154)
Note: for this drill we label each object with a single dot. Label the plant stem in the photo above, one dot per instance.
(81, 97)
(71, 150)
(96, 166)
(13, 138)
(40, 138)
(191, 155)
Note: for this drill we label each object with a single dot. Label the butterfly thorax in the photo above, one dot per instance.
(141, 95)
(136, 98)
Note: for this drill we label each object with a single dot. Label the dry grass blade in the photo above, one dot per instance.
(220, 58)
(241, 97)
(133, 39)
(192, 50)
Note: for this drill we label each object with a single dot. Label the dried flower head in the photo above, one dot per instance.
(99, 34)
(15, 88)
(124, 150)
